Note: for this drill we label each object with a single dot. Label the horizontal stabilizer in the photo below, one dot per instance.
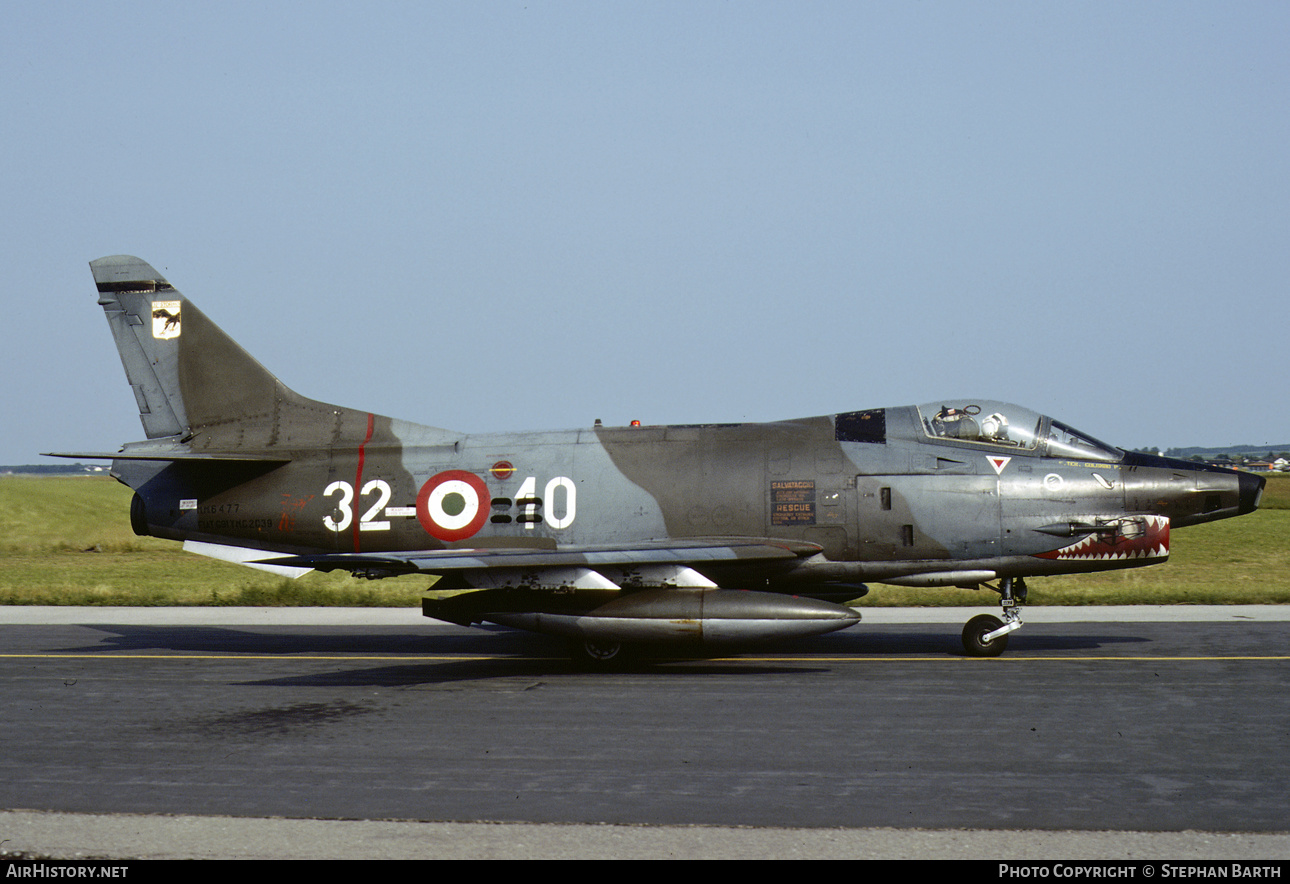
(248, 457)
(240, 555)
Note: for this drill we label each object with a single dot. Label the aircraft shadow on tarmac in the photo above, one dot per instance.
(895, 641)
(490, 641)
(516, 673)
(501, 654)
(137, 639)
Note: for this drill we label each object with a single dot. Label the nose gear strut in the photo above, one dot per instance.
(986, 635)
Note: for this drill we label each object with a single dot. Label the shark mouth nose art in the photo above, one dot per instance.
(1135, 537)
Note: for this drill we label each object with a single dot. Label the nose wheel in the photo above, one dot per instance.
(986, 635)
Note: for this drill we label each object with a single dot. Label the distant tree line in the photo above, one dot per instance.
(54, 469)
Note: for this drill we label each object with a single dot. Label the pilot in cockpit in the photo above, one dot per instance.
(961, 423)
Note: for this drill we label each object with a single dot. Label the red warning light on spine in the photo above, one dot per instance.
(636, 423)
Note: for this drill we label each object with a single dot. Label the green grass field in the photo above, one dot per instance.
(67, 541)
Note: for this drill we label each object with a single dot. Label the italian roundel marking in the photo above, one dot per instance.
(453, 505)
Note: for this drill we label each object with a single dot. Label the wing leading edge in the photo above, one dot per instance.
(652, 563)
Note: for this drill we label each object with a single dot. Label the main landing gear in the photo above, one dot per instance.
(601, 655)
(986, 635)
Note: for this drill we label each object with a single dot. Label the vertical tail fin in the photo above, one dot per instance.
(195, 384)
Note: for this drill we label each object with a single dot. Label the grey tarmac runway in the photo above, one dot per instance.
(1102, 733)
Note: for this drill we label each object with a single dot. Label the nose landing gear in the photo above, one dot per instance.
(986, 635)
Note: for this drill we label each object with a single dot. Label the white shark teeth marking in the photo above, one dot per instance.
(1140, 537)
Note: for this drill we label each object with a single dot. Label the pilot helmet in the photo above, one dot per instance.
(995, 427)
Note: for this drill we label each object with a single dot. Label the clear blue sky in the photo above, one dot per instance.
(529, 215)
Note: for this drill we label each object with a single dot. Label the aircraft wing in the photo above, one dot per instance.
(651, 563)
(577, 592)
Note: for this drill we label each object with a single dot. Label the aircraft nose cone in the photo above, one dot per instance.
(1251, 492)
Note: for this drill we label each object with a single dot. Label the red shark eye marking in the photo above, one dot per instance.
(503, 469)
(453, 505)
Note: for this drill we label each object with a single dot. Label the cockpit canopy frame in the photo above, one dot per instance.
(1002, 426)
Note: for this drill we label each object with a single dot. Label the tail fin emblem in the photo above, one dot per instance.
(165, 319)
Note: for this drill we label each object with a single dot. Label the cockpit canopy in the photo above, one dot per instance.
(1002, 425)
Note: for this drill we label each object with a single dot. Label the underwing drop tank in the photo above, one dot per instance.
(704, 616)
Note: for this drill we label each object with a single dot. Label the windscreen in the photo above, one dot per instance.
(1064, 441)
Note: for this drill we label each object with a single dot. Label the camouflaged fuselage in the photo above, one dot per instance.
(935, 494)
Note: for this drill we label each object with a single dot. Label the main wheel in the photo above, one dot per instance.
(600, 656)
(973, 636)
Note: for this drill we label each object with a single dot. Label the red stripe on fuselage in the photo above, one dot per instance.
(358, 475)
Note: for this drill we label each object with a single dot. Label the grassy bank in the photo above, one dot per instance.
(67, 541)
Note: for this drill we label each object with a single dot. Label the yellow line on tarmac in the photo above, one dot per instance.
(111, 656)
(950, 658)
(945, 658)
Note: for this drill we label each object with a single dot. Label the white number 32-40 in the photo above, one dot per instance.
(340, 518)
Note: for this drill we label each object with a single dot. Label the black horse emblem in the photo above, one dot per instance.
(172, 319)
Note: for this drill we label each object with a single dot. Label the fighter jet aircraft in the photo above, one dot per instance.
(618, 537)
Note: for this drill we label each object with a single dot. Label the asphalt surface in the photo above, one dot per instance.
(1122, 730)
